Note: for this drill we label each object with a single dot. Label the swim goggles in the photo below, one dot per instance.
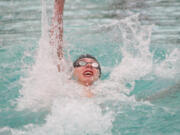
(83, 63)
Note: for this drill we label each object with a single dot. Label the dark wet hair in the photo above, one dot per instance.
(87, 56)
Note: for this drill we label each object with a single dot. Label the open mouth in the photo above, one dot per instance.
(88, 73)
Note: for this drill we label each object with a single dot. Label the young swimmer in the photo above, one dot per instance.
(87, 69)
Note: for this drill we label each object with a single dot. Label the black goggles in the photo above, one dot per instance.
(83, 63)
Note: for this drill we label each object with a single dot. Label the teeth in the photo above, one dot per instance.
(88, 73)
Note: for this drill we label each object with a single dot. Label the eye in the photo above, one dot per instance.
(82, 63)
(95, 65)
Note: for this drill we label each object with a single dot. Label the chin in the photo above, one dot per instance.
(88, 81)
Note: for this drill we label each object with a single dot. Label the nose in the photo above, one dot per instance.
(89, 65)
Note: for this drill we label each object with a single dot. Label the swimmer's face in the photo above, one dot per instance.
(87, 74)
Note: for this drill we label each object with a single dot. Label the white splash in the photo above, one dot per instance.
(169, 68)
(137, 58)
(38, 87)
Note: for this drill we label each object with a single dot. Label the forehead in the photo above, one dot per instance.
(87, 60)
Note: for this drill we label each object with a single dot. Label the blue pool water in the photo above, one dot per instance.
(137, 44)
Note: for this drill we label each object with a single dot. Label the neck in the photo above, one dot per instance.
(86, 89)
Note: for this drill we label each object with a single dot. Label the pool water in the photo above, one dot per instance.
(137, 45)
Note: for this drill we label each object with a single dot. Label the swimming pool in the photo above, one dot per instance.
(137, 44)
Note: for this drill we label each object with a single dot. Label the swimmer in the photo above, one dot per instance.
(86, 69)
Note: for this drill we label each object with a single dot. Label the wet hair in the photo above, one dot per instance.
(87, 56)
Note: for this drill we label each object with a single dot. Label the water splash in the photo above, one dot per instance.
(134, 40)
(169, 68)
(34, 87)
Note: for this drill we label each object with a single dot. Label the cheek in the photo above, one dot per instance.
(97, 74)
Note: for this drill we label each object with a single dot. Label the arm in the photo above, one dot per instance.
(170, 92)
(56, 31)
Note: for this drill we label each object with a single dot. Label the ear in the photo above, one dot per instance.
(99, 75)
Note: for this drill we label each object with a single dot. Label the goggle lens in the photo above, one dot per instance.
(95, 65)
(82, 63)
